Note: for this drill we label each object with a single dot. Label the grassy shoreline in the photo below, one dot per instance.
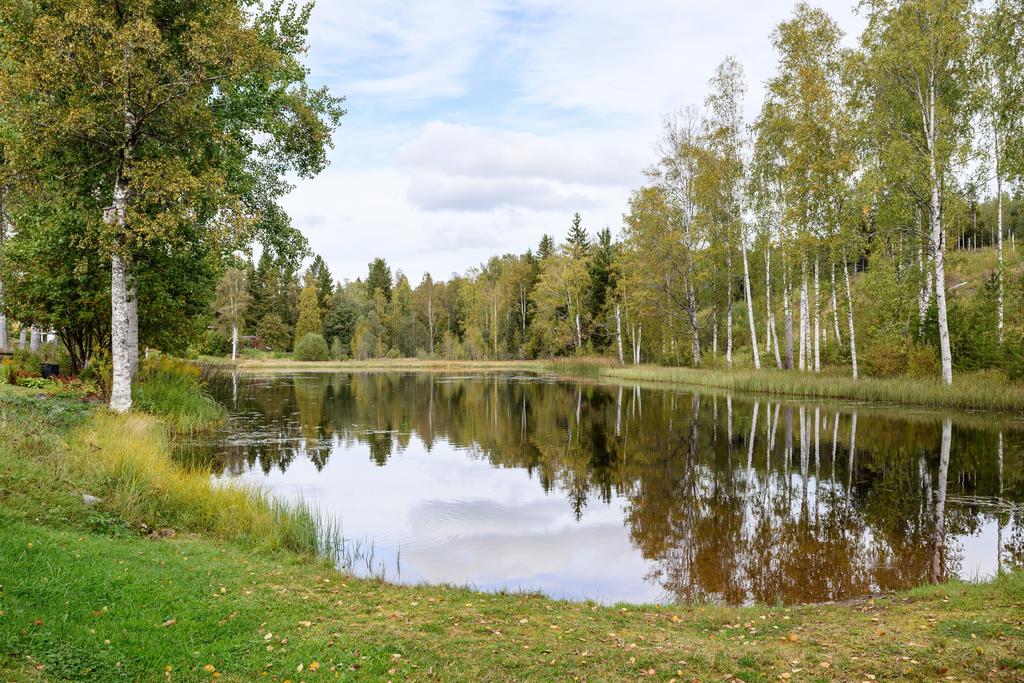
(973, 391)
(89, 593)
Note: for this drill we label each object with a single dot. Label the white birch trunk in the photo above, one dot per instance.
(618, 332)
(234, 340)
(924, 294)
(121, 383)
(817, 320)
(849, 317)
(999, 236)
(835, 304)
(120, 277)
(5, 342)
(750, 310)
(775, 341)
(767, 300)
(805, 313)
(938, 556)
(728, 308)
(803, 316)
(937, 237)
(714, 331)
(430, 317)
(787, 314)
(636, 343)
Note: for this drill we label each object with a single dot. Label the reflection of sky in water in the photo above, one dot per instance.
(682, 498)
(457, 519)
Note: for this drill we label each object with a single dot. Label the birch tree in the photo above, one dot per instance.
(918, 52)
(808, 133)
(170, 117)
(726, 141)
(676, 174)
(232, 298)
(1000, 44)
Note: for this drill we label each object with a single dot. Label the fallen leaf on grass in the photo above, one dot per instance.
(170, 622)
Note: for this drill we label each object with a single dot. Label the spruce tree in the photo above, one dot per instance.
(324, 282)
(545, 248)
(577, 242)
(601, 276)
(379, 279)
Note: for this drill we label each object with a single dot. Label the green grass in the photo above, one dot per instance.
(99, 608)
(88, 594)
(55, 450)
(176, 391)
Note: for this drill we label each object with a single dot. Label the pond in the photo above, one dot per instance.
(627, 493)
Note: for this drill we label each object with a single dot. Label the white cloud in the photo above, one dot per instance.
(646, 58)
(458, 150)
(352, 216)
(397, 49)
(477, 126)
(436, 191)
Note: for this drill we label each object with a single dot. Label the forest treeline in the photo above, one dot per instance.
(141, 163)
(819, 233)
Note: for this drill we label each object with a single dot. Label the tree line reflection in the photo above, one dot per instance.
(730, 500)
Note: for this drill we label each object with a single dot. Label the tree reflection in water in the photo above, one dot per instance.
(845, 502)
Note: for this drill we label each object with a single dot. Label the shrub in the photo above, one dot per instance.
(312, 347)
(393, 353)
(273, 333)
(922, 362)
(338, 350)
(885, 359)
(100, 371)
(1013, 360)
(26, 363)
(214, 343)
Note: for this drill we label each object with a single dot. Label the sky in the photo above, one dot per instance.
(475, 127)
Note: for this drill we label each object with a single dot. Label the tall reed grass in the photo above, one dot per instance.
(125, 460)
(178, 392)
(979, 390)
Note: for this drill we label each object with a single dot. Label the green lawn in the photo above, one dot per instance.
(86, 594)
(82, 606)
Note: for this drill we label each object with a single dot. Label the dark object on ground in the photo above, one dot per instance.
(48, 370)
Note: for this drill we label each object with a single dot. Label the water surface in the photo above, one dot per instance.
(621, 493)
